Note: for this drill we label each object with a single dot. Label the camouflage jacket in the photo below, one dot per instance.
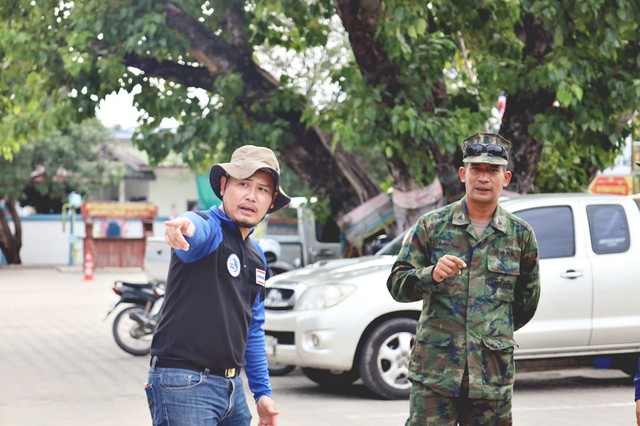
(468, 319)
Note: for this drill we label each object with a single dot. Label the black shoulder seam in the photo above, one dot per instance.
(202, 215)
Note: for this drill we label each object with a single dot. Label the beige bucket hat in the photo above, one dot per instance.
(245, 161)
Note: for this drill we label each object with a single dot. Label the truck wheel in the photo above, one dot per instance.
(276, 369)
(329, 380)
(628, 363)
(385, 356)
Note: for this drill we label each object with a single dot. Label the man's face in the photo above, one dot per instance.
(246, 201)
(484, 182)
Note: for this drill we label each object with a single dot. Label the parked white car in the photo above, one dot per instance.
(337, 321)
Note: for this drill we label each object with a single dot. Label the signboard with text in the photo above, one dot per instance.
(617, 185)
(115, 210)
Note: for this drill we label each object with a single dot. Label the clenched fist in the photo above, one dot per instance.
(447, 266)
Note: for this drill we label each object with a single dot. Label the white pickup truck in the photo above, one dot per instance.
(337, 321)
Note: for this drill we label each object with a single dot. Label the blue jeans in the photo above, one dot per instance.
(179, 397)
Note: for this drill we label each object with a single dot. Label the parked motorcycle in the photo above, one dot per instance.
(134, 326)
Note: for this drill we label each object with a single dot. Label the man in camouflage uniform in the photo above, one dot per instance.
(475, 267)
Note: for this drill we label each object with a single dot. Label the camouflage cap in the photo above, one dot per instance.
(478, 149)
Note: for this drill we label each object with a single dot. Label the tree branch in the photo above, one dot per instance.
(217, 55)
(188, 75)
(210, 50)
(360, 19)
(234, 18)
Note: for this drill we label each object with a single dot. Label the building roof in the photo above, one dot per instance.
(136, 162)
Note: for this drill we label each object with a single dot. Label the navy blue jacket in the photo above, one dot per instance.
(213, 313)
(636, 381)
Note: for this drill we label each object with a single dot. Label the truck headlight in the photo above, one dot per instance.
(323, 296)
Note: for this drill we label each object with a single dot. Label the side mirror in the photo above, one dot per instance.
(379, 242)
(271, 257)
(271, 249)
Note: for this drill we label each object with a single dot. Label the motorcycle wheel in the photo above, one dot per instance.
(131, 336)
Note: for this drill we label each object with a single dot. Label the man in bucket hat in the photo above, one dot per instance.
(474, 265)
(212, 318)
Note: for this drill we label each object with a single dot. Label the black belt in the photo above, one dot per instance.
(188, 365)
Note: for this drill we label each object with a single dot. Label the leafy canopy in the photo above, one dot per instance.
(453, 58)
(76, 158)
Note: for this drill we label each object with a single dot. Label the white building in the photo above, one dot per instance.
(172, 186)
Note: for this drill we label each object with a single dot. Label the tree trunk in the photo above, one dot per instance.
(334, 174)
(523, 106)
(360, 19)
(330, 173)
(10, 244)
(525, 151)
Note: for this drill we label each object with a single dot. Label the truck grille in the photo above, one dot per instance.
(279, 299)
(284, 337)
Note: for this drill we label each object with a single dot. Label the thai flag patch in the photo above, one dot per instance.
(261, 276)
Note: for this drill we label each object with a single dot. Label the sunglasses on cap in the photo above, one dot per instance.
(492, 150)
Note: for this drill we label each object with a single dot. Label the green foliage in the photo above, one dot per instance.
(74, 158)
(292, 24)
(60, 59)
(426, 39)
(593, 70)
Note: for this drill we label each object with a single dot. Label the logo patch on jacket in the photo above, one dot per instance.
(261, 276)
(233, 265)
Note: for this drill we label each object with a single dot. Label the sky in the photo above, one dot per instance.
(117, 110)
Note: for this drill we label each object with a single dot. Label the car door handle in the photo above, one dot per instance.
(322, 252)
(571, 274)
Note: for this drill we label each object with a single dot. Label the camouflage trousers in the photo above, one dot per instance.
(428, 408)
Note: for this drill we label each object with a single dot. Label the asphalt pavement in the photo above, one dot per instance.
(59, 363)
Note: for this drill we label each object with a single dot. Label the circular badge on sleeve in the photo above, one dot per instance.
(233, 265)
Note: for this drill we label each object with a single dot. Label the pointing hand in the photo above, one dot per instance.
(174, 231)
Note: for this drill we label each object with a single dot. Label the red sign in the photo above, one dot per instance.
(617, 185)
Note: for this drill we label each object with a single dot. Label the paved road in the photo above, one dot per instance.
(58, 360)
(564, 397)
(60, 366)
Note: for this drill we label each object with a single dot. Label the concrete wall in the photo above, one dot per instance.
(173, 191)
(45, 243)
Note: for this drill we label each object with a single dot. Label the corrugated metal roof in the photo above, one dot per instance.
(136, 162)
